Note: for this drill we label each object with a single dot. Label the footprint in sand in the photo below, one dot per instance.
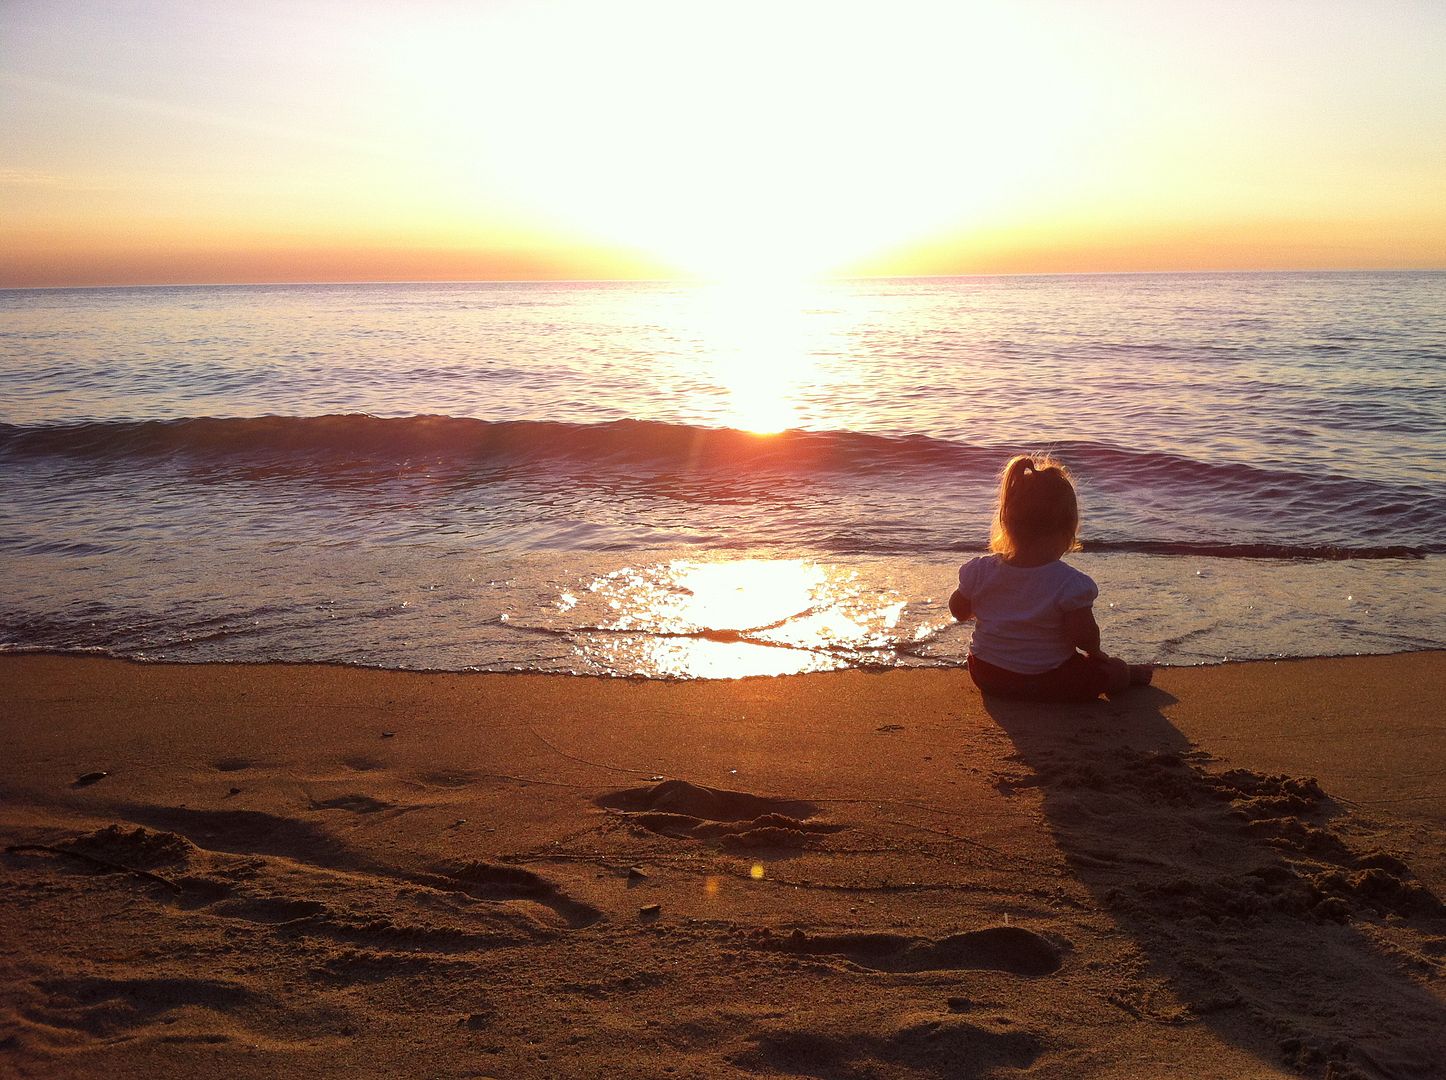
(448, 778)
(733, 819)
(248, 832)
(166, 1009)
(997, 948)
(268, 909)
(107, 1007)
(488, 881)
(134, 846)
(942, 1046)
(356, 804)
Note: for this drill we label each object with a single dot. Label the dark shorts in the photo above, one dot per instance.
(1077, 679)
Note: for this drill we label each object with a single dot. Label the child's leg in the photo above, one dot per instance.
(1119, 675)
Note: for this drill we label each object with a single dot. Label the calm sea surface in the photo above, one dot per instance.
(703, 480)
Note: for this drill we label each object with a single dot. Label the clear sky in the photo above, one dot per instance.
(190, 141)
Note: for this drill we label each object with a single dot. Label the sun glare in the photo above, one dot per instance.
(731, 619)
(785, 140)
(763, 345)
(653, 139)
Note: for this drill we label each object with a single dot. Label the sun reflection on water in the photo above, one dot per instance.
(731, 619)
(766, 343)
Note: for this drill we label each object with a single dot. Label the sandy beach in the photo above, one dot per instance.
(321, 871)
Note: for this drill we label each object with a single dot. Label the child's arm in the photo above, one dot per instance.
(960, 607)
(1083, 633)
(1081, 630)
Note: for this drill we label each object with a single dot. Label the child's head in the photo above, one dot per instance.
(1037, 511)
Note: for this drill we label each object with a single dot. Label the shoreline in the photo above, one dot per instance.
(690, 616)
(333, 868)
(933, 664)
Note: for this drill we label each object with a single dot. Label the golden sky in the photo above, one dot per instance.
(174, 141)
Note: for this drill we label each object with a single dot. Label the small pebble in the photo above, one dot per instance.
(90, 777)
(234, 791)
(388, 734)
(960, 1004)
(636, 873)
(650, 911)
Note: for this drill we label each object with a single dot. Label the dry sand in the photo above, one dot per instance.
(318, 871)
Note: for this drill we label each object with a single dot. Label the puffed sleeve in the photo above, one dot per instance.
(969, 578)
(1079, 591)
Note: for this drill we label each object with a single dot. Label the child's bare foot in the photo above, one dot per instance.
(1141, 674)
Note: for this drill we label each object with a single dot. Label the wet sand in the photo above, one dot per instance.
(318, 871)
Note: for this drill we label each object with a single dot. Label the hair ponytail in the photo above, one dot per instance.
(1016, 469)
(1037, 508)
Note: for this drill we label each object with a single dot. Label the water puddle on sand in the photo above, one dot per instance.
(729, 619)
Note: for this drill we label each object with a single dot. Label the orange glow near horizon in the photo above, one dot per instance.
(172, 142)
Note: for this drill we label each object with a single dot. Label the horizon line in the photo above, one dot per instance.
(715, 281)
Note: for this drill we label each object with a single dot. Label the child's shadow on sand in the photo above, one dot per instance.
(1240, 891)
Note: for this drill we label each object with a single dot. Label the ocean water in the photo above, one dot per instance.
(700, 480)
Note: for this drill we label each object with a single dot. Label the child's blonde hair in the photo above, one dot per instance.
(1037, 508)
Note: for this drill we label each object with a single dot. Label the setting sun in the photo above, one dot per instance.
(645, 139)
(782, 140)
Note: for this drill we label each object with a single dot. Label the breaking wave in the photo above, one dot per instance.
(1388, 519)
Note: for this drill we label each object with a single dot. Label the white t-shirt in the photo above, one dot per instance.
(1019, 611)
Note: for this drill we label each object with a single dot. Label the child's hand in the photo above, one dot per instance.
(1081, 630)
